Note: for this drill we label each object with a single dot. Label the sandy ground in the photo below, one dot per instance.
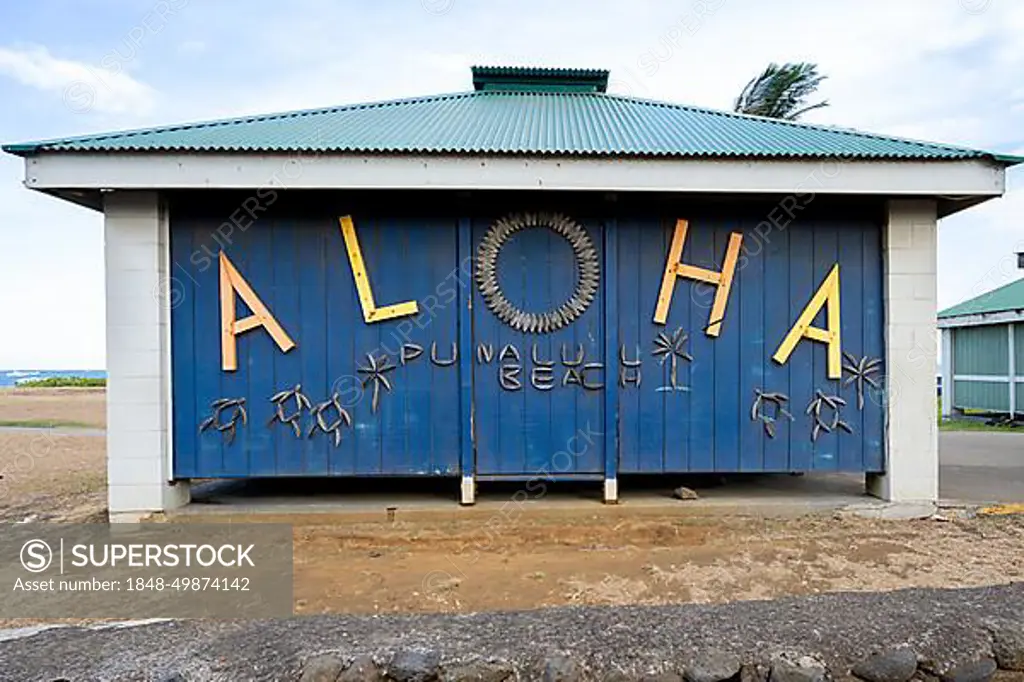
(50, 477)
(540, 557)
(552, 560)
(79, 406)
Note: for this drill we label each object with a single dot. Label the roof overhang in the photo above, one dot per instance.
(978, 319)
(80, 176)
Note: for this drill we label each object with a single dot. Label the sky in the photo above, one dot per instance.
(940, 70)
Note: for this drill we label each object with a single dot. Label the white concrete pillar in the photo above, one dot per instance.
(611, 491)
(467, 491)
(138, 357)
(947, 373)
(911, 433)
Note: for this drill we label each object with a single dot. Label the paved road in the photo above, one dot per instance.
(55, 430)
(981, 466)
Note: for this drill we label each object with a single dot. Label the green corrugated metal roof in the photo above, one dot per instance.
(1007, 297)
(541, 120)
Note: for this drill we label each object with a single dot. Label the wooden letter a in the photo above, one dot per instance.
(232, 282)
(722, 280)
(828, 292)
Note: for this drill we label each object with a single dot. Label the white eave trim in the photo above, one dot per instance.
(95, 171)
(981, 319)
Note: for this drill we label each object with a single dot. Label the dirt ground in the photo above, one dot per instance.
(528, 559)
(540, 560)
(73, 406)
(51, 477)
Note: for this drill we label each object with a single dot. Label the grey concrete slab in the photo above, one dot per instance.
(772, 495)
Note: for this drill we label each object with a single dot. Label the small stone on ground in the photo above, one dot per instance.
(684, 493)
(897, 665)
(560, 669)
(713, 666)
(793, 667)
(415, 666)
(324, 668)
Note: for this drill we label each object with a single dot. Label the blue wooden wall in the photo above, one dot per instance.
(705, 423)
(299, 269)
(454, 419)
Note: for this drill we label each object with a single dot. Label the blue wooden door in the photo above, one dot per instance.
(539, 396)
(299, 269)
(693, 408)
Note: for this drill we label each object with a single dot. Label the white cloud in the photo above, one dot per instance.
(81, 86)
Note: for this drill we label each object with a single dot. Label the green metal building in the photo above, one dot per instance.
(983, 352)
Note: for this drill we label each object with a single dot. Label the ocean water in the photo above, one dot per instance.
(12, 377)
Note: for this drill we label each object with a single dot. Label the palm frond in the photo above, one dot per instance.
(781, 91)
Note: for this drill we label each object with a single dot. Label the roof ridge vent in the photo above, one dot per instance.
(537, 79)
